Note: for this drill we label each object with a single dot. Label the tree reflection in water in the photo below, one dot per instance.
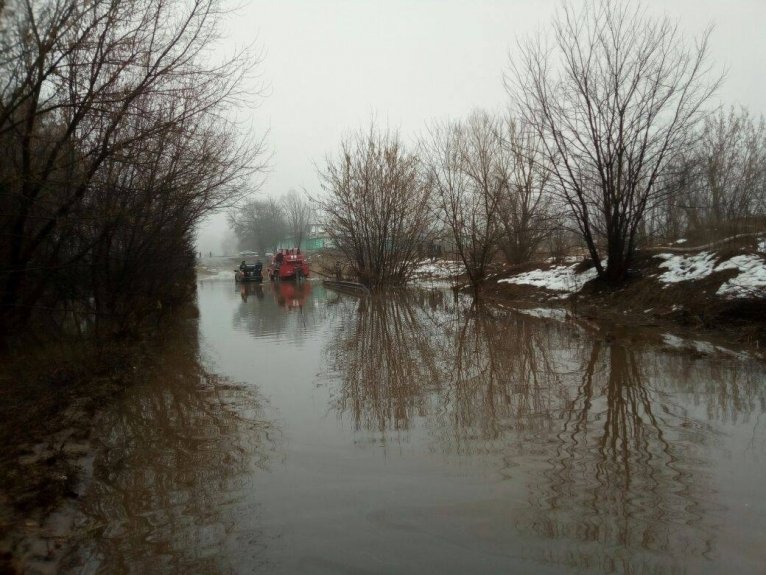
(172, 479)
(613, 459)
(386, 366)
(257, 315)
(619, 475)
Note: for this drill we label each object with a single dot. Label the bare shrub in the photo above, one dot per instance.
(526, 209)
(468, 168)
(376, 205)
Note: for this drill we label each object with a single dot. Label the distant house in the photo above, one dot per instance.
(316, 239)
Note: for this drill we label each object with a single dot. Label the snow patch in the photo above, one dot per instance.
(439, 269)
(682, 268)
(751, 280)
(673, 341)
(566, 259)
(558, 278)
(699, 346)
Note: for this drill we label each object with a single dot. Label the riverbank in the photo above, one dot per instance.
(718, 290)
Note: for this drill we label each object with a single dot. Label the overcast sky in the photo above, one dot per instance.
(331, 65)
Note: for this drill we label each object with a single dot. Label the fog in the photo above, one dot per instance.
(329, 66)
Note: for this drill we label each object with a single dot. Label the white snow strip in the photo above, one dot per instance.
(751, 280)
(566, 259)
(762, 246)
(440, 269)
(546, 313)
(703, 347)
(558, 278)
(673, 341)
(682, 267)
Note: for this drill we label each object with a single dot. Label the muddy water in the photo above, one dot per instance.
(303, 431)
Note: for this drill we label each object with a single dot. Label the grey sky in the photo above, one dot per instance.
(330, 65)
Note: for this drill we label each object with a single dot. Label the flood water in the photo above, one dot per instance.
(297, 430)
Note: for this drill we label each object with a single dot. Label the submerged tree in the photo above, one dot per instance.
(376, 205)
(115, 138)
(612, 101)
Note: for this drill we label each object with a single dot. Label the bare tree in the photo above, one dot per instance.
(299, 214)
(114, 118)
(376, 205)
(612, 101)
(468, 169)
(726, 185)
(526, 207)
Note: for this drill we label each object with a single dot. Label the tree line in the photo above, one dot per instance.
(117, 137)
(261, 224)
(609, 143)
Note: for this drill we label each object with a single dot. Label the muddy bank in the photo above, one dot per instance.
(718, 292)
(691, 309)
(605, 319)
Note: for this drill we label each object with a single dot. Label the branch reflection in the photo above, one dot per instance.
(502, 383)
(618, 479)
(172, 480)
(616, 463)
(386, 362)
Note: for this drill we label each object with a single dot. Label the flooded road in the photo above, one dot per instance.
(297, 430)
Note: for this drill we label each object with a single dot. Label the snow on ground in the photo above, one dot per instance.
(750, 281)
(439, 269)
(566, 260)
(558, 278)
(681, 267)
(762, 246)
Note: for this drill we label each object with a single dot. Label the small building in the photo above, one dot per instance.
(315, 239)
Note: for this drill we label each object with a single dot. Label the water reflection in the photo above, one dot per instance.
(619, 476)
(172, 479)
(615, 461)
(386, 366)
(250, 289)
(503, 378)
(292, 295)
(258, 315)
